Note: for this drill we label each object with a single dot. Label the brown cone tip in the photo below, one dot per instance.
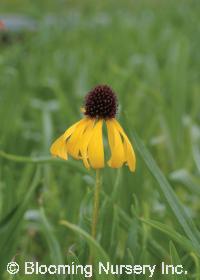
(101, 102)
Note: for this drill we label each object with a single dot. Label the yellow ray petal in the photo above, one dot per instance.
(70, 130)
(95, 147)
(59, 148)
(85, 142)
(116, 146)
(74, 142)
(129, 154)
(128, 149)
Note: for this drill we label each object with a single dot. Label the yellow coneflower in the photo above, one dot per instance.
(84, 139)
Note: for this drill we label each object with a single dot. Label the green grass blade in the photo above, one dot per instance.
(43, 160)
(177, 237)
(72, 258)
(175, 260)
(98, 251)
(91, 242)
(169, 195)
(54, 247)
(9, 229)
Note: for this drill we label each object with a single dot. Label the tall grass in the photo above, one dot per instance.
(148, 51)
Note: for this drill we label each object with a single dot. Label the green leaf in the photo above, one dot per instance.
(91, 242)
(182, 240)
(126, 223)
(48, 159)
(129, 260)
(54, 247)
(72, 258)
(175, 260)
(169, 195)
(99, 254)
(9, 227)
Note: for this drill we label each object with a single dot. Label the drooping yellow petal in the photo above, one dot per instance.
(70, 130)
(95, 146)
(85, 142)
(59, 147)
(128, 149)
(74, 142)
(116, 145)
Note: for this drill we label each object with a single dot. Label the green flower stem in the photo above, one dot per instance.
(96, 204)
(95, 211)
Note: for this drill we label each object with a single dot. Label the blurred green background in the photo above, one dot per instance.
(51, 54)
